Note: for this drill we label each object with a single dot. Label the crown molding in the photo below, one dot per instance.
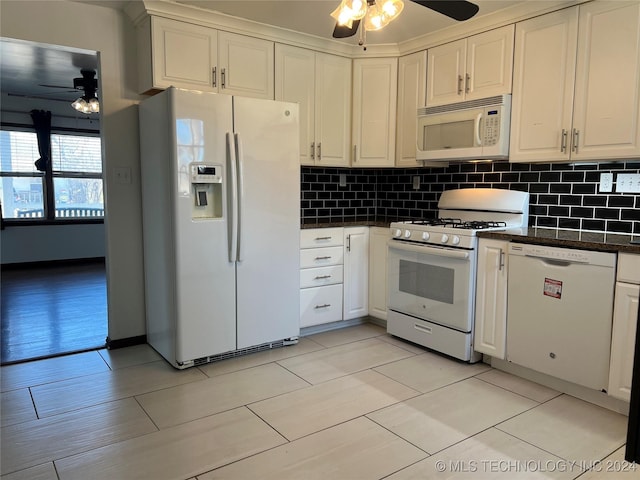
(507, 16)
(139, 10)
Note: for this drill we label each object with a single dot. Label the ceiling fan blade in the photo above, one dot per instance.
(55, 86)
(457, 9)
(342, 31)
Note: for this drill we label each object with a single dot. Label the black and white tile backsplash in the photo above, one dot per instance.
(561, 195)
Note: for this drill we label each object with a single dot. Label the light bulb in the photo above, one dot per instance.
(94, 105)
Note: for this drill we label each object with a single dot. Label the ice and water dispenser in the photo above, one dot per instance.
(206, 191)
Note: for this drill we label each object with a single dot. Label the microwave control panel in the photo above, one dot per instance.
(491, 130)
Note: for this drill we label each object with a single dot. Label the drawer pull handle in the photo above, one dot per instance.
(422, 328)
(326, 305)
(323, 238)
(323, 258)
(322, 277)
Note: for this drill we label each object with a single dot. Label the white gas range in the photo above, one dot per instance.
(432, 267)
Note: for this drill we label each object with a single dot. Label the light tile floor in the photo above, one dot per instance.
(349, 404)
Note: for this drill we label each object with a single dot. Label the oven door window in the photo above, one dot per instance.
(432, 286)
(427, 281)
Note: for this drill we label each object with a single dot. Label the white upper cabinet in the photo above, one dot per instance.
(476, 67)
(246, 66)
(174, 53)
(576, 84)
(375, 85)
(606, 108)
(321, 85)
(412, 85)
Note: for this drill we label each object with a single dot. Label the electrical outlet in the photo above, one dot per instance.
(606, 182)
(122, 174)
(628, 183)
(416, 182)
(342, 182)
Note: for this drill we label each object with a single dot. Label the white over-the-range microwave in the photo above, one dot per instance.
(472, 130)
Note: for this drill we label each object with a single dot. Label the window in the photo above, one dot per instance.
(76, 177)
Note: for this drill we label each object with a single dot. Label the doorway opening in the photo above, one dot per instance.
(53, 278)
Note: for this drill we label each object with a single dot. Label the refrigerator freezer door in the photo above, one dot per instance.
(205, 277)
(268, 290)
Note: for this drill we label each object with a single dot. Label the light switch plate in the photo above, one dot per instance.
(628, 183)
(606, 182)
(342, 180)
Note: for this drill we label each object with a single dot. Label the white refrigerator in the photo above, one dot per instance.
(221, 217)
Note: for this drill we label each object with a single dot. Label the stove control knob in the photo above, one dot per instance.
(397, 232)
(425, 235)
(455, 240)
(445, 238)
(407, 233)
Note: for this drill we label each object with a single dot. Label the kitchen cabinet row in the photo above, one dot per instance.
(342, 274)
(495, 302)
(574, 76)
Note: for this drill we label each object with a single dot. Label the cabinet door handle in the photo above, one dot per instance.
(563, 142)
(322, 277)
(326, 305)
(313, 150)
(214, 72)
(501, 260)
(467, 83)
(355, 153)
(459, 84)
(348, 243)
(323, 258)
(319, 151)
(576, 139)
(222, 77)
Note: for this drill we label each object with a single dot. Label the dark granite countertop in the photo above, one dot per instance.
(379, 222)
(605, 242)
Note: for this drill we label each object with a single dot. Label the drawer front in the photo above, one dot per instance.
(320, 305)
(321, 257)
(318, 277)
(321, 237)
(628, 268)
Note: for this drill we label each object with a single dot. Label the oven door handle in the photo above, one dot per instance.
(440, 252)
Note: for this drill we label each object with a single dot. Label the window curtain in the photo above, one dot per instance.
(42, 125)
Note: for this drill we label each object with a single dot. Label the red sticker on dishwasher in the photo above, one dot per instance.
(552, 288)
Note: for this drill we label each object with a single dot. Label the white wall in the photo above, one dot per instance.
(42, 243)
(110, 33)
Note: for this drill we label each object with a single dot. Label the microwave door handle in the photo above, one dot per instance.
(477, 129)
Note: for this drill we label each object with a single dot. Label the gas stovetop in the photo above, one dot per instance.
(444, 231)
(464, 212)
(458, 223)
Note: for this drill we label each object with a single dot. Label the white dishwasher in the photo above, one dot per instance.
(560, 311)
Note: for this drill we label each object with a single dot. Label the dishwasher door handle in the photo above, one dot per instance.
(553, 261)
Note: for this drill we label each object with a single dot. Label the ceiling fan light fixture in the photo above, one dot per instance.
(392, 8)
(349, 11)
(80, 104)
(88, 103)
(375, 19)
(94, 105)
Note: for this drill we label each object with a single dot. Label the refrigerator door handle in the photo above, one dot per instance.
(232, 199)
(240, 160)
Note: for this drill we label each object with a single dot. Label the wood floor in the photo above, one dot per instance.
(52, 310)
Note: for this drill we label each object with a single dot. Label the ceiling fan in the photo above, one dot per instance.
(378, 13)
(88, 102)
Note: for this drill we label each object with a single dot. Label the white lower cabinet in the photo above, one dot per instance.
(321, 275)
(356, 272)
(378, 238)
(490, 335)
(625, 317)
